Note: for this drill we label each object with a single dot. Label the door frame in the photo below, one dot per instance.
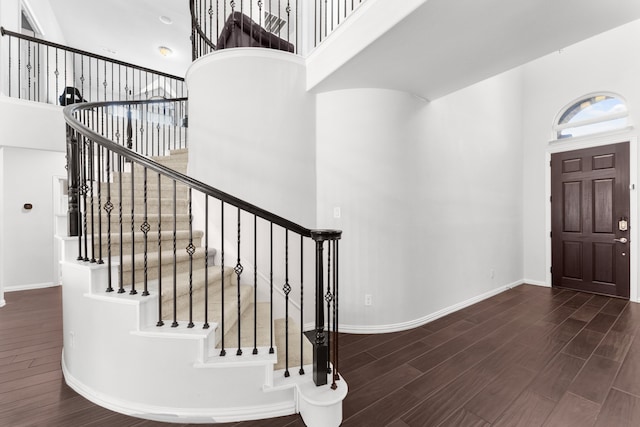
(560, 146)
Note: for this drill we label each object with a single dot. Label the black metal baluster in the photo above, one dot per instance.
(38, 84)
(145, 228)
(287, 289)
(336, 331)
(238, 270)
(223, 352)
(271, 350)
(133, 290)
(85, 190)
(93, 222)
(301, 371)
(29, 70)
(190, 250)
(255, 284)
(10, 61)
(120, 172)
(175, 261)
(160, 322)
(328, 297)
(108, 207)
(206, 262)
(100, 177)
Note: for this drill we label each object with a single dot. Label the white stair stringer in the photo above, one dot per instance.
(115, 356)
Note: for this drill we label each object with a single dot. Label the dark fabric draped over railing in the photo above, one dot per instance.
(274, 24)
(153, 226)
(38, 70)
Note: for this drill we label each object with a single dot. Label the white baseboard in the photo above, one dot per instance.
(536, 283)
(31, 287)
(2, 303)
(397, 327)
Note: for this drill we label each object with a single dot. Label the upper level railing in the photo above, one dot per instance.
(48, 72)
(130, 211)
(275, 24)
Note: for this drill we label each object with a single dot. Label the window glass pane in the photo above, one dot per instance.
(593, 128)
(590, 108)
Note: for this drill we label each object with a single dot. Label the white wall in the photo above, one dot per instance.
(607, 62)
(429, 197)
(27, 235)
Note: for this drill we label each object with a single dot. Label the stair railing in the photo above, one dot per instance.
(105, 161)
(42, 71)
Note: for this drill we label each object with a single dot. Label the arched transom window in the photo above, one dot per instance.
(591, 115)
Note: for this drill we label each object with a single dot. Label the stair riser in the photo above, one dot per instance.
(182, 266)
(182, 303)
(167, 224)
(152, 245)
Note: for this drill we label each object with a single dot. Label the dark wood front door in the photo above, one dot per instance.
(590, 220)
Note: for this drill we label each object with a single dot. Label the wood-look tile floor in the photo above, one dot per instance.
(530, 356)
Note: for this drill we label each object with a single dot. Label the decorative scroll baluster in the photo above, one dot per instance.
(145, 228)
(120, 172)
(133, 290)
(93, 223)
(328, 297)
(108, 207)
(286, 289)
(84, 190)
(100, 176)
(190, 250)
(238, 270)
(336, 331)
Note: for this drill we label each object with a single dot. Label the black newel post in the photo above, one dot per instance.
(318, 337)
(73, 222)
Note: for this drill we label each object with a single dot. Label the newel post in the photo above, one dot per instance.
(320, 337)
(73, 221)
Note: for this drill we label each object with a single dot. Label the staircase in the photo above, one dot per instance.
(194, 355)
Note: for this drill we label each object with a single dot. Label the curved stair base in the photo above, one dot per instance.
(115, 357)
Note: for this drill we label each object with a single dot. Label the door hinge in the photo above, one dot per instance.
(551, 234)
(550, 199)
(551, 270)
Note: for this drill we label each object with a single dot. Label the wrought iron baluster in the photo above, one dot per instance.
(160, 322)
(223, 352)
(255, 284)
(271, 349)
(133, 290)
(121, 235)
(328, 297)
(100, 177)
(108, 207)
(85, 190)
(175, 260)
(145, 228)
(206, 262)
(287, 289)
(190, 250)
(238, 270)
(301, 371)
(93, 222)
(336, 331)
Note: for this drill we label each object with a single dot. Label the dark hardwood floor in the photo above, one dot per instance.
(530, 356)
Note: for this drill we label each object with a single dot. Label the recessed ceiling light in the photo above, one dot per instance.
(165, 51)
(166, 20)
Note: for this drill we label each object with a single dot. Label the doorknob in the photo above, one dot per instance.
(621, 240)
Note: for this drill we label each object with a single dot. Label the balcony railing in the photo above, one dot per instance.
(275, 24)
(42, 71)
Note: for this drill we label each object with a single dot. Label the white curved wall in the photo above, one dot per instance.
(429, 196)
(252, 129)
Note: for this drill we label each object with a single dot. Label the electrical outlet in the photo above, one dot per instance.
(368, 300)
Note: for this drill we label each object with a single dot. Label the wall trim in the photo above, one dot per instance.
(403, 326)
(31, 287)
(537, 283)
(177, 415)
(2, 303)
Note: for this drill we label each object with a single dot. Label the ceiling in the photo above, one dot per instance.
(443, 46)
(130, 28)
(446, 45)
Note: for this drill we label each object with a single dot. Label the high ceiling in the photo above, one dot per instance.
(130, 28)
(444, 45)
